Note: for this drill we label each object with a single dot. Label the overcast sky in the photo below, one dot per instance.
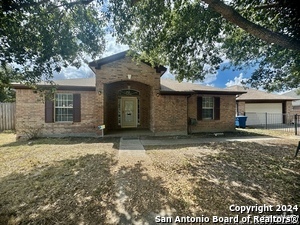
(221, 79)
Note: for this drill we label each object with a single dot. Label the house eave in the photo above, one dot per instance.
(263, 100)
(219, 92)
(200, 92)
(58, 87)
(98, 63)
(176, 92)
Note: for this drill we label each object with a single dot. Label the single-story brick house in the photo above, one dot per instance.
(256, 103)
(125, 94)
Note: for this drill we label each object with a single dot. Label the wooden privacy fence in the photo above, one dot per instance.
(7, 116)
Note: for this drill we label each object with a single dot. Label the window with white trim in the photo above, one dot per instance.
(63, 107)
(208, 108)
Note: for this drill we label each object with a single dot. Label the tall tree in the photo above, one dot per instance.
(38, 37)
(6, 93)
(194, 37)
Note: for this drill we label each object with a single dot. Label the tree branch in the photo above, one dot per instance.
(260, 32)
(71, 4)
(7, 6)
(267, 6)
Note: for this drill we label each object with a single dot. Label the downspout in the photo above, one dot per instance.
(187, 114)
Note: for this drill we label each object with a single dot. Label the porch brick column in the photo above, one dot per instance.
(99, 111)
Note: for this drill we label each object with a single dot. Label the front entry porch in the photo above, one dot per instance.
(126, 105)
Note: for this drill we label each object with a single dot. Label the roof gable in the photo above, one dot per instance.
(98, 63)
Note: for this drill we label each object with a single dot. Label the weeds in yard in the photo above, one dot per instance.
(30, 132)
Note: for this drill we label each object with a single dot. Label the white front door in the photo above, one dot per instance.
(129, 112)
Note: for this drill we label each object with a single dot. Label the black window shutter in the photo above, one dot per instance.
(217, 108)
(199, 108)
(76, 108)
(49, 111)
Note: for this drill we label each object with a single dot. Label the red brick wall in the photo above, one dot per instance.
(30, 114)
(227, 115)
(118, 71)
(170, 114)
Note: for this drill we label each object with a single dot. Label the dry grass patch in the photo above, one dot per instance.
(268, 132)
(82, 180)
(208, 178)
(23, 156)
(56, 181)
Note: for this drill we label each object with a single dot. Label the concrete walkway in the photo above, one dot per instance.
(131, 146)
(182, 141)
(132, 153)
(135, 145)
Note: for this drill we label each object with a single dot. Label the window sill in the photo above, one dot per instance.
(207, 120)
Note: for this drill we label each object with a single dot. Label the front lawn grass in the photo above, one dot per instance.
(55, 181)
(208, 178)
(78, 180)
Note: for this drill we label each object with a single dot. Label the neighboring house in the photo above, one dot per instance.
(295, 103)
(125, 94)
(261, 107)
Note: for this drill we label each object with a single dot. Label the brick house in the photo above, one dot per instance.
(125, 95)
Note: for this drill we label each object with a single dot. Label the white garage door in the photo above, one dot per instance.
(256, 113)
